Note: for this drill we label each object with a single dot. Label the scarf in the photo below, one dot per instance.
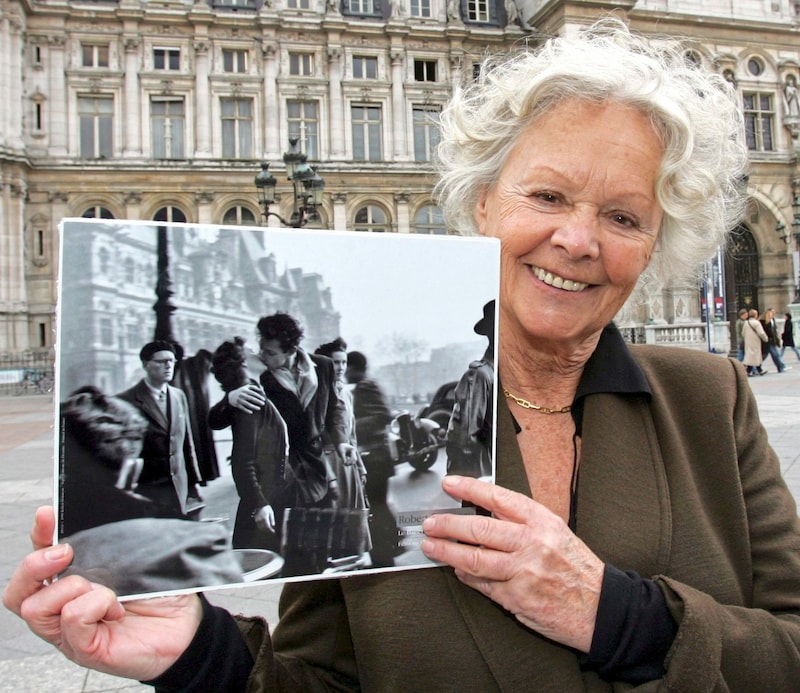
(301, 380)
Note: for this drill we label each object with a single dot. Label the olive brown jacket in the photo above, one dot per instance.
(681, 486)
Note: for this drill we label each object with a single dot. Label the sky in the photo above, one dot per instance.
(430, 288)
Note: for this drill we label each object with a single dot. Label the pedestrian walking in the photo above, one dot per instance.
(787, 338)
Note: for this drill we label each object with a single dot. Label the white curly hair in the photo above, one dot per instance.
(694, 112)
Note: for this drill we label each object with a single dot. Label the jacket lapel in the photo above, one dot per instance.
(620, 510)
(149, 406)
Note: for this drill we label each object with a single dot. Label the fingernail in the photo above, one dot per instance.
(428, 523)
(427, 546)
(57, 553)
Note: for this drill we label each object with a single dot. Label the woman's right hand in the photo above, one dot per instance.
(138, 639)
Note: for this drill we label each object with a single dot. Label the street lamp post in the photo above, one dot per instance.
(780, 229)
(307, 187)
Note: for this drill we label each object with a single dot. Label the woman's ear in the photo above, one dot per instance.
(480, 212)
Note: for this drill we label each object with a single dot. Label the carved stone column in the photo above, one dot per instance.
(339, 211)
(203, 103)
(14, 334)
(57, 100)
(403, 217)
(133, 112)
(400, 145)
(337, 150)
(272, 144)
(204, 200)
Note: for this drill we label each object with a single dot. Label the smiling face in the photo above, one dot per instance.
(575, 210)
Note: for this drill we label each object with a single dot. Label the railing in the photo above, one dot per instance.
(26, 374)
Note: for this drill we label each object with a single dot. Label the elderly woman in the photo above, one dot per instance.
(640, 532)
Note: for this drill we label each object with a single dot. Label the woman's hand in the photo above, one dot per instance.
(524, 557)
(265, 518)
(138, 639)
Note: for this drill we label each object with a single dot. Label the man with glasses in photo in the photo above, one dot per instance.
(170, 472)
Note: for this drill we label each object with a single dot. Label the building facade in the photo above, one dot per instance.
(163, 110)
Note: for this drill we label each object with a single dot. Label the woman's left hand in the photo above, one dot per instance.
(524, 557)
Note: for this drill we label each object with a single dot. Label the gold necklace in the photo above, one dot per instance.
(525, 404)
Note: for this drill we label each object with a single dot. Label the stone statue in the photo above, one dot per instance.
(791, 100)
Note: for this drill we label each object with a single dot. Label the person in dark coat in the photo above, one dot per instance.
(787, 337)
(372, 417)
(258, 456)
(301, 386)
(99, 462)
(170, 473)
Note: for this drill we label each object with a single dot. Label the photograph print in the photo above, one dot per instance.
(240, 404)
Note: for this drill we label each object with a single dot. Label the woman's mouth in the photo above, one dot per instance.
(558, 282)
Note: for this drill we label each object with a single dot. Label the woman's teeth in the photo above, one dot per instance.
(558, 282)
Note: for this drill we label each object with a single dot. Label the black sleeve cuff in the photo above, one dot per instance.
(633, 631)
(217, 659)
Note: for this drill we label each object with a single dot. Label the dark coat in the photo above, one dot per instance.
(258, 462)
(323, 420)
(683, 488)
(170, 465)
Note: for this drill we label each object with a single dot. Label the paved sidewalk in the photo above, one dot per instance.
(27, 664)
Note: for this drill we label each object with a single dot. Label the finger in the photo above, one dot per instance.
(476, 561)
(44, 524)
(30, 575)
(80, 618)
(502, 502)
(478, 530)
(42, 610)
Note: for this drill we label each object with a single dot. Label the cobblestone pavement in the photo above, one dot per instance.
(27, 664)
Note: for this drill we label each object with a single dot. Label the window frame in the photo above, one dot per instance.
(173, 148)
(102, 126)
(235, 61)
(99, 55)
(370, 130)
(165, 55)
(307, 126)
(238, 121)
(364, 62)
(759, 121)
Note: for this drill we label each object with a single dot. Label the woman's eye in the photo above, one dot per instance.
(625, 220)
(544, 196)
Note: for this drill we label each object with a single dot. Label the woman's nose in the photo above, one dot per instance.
(578, 233)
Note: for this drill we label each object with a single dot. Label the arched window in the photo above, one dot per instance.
(239, 216)
(170, 214)
(97, 213)
(371, 218)
(430, 220)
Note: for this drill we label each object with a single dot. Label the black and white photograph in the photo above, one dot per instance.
(239, 404)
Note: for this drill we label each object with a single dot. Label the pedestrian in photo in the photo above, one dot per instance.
(787, 336)
(639, 535)
(301, 387)
(372, 417)
(258, 455)
(469, 435)
(351, 473)
(170, 473)
(101, 442)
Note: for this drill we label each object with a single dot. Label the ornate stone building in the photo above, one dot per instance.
(163, 109)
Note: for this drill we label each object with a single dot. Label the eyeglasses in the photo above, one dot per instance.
(163, 362)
